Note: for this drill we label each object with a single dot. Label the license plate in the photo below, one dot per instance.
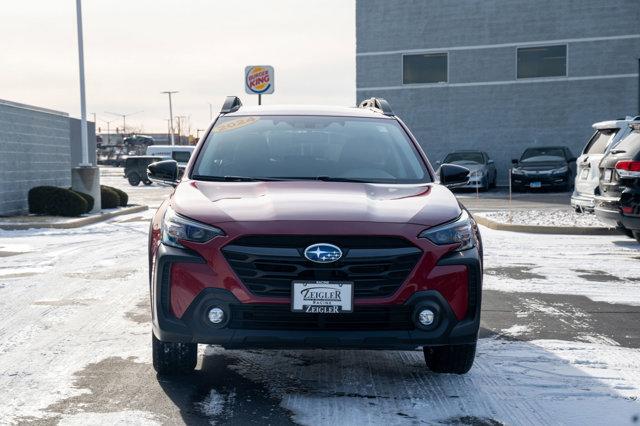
(608, 173)
(584, 173)
(535, 185)
(322, 297)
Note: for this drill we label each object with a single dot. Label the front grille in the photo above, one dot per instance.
(280, 317)
(267, 265)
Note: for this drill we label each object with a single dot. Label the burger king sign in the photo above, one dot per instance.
(258, 79)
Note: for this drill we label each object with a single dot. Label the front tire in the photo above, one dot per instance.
(636, 235)
(134, 179)
(171, 358)
(453, 359)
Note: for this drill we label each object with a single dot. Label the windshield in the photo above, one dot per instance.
(309, 147)
(543, 154)
(464, 157)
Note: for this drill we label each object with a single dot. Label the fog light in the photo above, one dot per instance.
(426, 317)
(216, 315)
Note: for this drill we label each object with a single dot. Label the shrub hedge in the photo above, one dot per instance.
(124, 198)
(56, 201)
(88, 198)
(109, 198)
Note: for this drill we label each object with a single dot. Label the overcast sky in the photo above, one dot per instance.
(136, 48)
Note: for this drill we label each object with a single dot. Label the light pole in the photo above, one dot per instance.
(108, 130)
(170, 92)
(83, 100)
(181, 121)
(85, 177)
(124, 119)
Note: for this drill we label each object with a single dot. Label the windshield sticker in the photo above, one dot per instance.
(235, 124)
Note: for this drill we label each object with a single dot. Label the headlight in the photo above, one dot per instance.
(460, 231)
(176, 227)
(563, 169)
(516, 171)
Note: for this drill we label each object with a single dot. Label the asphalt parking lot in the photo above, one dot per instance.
(559, 340)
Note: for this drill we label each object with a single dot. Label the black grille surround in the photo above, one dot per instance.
(267, 265)
(280, 317)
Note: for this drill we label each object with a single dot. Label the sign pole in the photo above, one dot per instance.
(259, 98)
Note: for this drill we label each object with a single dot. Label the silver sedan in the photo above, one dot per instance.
(482, 169)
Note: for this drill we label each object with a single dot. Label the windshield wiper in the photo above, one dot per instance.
(339, 179)
(233, 178)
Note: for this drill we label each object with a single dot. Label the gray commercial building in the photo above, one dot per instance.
(500, 75)
(38, 146)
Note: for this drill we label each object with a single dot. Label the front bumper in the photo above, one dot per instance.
(194, 327)
(545, 181)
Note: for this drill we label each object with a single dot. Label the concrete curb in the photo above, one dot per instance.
(74, 223)
(533, 229)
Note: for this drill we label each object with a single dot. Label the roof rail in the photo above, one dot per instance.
(377, 103)
(231, 104)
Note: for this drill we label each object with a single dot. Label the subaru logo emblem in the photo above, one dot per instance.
(322, 253)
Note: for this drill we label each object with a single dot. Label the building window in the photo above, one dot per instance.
(427, 68)
(542, 61)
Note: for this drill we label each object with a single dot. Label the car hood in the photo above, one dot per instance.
(219, 202)
(472, 167)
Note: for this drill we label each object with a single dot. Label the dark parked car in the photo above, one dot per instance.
(307, 227)
(137, 144)
(135, 169)
(617, 204)
(549, 167)
(482, 170)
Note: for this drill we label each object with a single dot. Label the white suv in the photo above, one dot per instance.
(607, 135)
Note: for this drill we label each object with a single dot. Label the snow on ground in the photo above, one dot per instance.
(62, 307)
(545, 217)
(602, 268)
(539, 382)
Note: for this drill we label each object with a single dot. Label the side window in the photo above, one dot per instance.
(542, 61)
(425, 68)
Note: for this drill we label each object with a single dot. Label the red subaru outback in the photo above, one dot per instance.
(308, 227)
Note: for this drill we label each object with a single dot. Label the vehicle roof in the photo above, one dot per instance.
(613, 124)
(322, 110)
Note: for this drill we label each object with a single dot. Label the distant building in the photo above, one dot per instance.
(38, 146)
(500, 75)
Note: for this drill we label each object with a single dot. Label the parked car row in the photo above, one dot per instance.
(545, 167)
(617, 197)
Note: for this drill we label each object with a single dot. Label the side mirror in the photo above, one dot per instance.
(514, 161)
(452, 175)
(163, 172)
(490, 162)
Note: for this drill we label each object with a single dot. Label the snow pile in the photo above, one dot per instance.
(551, 217)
